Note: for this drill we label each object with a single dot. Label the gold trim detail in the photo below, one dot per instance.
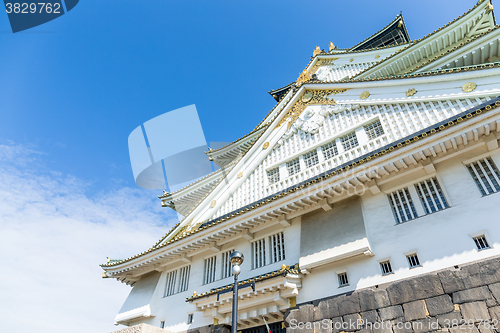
(469, 86)
(310, 97)
(364, 95)
(213, 203)
(322, 62)
(411, 92)
(240, 175)
(317, 51)
(331, 46)
(351, 60)
(266, 145)
(303, 77)
(377, 56)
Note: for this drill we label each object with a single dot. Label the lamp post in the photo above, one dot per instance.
(236, 260)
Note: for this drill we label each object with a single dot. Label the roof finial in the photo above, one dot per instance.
(316, 51)
(332, 46)
(400, 23)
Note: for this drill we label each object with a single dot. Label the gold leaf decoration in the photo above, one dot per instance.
(303, 77)
(266, 145)
(310, 97)
(364, 95)
(213, 203)
(469, 86)
(331, 47)
(411, 92)
(240, 175)
(317, 51)
(351, 60)
(377, 56)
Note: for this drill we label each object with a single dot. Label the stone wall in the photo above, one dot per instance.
(141, 328)
(439, 301)
(212, 329)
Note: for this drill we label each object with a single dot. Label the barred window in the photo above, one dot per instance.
(259, 253)
(402, 205)
(226, 264)
(431, 195)
(293, 167)
(485, 174)
(190, 318)
(210, 269)
(481, 242)
(413, 260)
(386, 267)
(311, 158)
(273, 176)
(184, 278)
(170, 283)
(349, 141)
(330, 150)
(277, 242)
(343, 281)
(374, 130)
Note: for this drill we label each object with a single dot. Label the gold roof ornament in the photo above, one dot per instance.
(316, 51)
(351, 60)
(377, 56)
(332, 46)
(489, 8)
(266, 145)
(303, 77)
(411, 92)
(240, 174)
(364, 95)
(400, 23)
(469, 86)
(213, 203)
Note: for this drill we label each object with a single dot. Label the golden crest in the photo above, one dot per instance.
(332, 46)
(364, 95)
(303, 77)
(377, 56)
(213, 203)
(469, 86)
(307, 97)
(240, 175)
(316, 51)
(266, 145)
(411, 92)
(351, 60)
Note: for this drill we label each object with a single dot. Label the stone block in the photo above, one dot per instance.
(400, 326)
(370, 299)
(481, 273)
(449, 319)
(369, 317)
(306, 313)
(451, 280)
(414, 310)
(486, 328)
(425, 325)
(476, 311)
(439, 305)
(495, 290)
(351, 323)
(494, 312)
(491, 302)
(328, 308)
(472, 295)
(348, 304)
(415, 289)
(291, 316)
(463, 330)
(337, 324)
(391, 312)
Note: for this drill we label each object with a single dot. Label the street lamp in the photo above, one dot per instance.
(236, 260)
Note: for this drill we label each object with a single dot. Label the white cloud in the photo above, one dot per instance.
(53, 236)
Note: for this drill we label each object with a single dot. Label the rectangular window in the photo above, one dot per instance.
(343, 281)
(413, 260)
(293, 167)
(481, 242)
(170, 283)
(162, 324)
(386, 267)
(259, 253)
(349, 141)
(190, 318)
(277, 242)
(330, 150)
(374, 130)
(226, 264)
(210, 269)
(431, 195)
(311, 158)
(402, 205)
(184, 278)
(485, 174)
(273, 176)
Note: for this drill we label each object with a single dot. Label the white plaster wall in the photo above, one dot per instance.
(441, 239)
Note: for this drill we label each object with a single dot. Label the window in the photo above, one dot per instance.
(330, 150)
(259, 253)
(374, 130)
(226, 264)
(481, 242)
(293, 167)
(386, 267)
(210, 268)
(402, 205)
(162, 324)
(190, 318)
(277, 242)
(349, 141)
(170, 284)
(413, 260)
(311, 158)
(343, 281)
(184, 278)
(273, 176)
(431, 195)
(486, 175)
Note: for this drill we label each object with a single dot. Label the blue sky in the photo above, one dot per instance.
(73, 89)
